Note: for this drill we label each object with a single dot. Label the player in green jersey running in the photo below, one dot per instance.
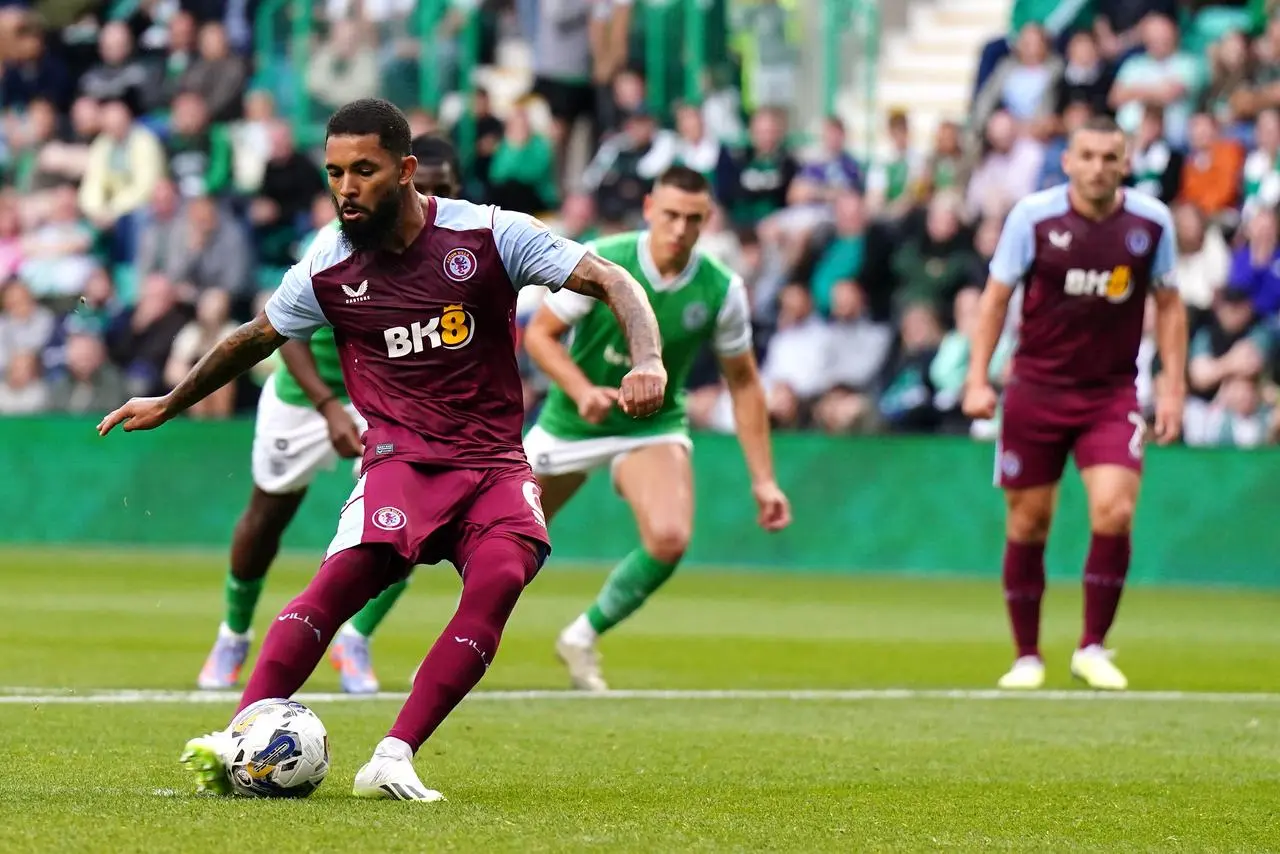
(697, 301)
(305, 423)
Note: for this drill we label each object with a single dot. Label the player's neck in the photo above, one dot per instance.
(413, 218)
(1096, 211)
(668, 266)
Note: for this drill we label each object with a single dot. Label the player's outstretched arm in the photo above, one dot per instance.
(228, 359)
(751, 417)
(979, 396)
(645, 387)
(1171, 342)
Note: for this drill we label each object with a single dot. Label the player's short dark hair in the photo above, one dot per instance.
(436, 150)
(372, 117)
(684, 178)
(1099, 124)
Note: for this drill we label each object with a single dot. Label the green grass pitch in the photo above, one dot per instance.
(1193, 768)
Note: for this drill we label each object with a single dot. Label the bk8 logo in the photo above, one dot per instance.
(452, 330)
(1114, 285)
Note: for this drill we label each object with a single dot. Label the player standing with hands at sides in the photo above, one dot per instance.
(697, 301)
(1087, 255)
(305, 424)
(421, 295)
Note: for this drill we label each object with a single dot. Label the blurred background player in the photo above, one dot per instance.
(697, 301)
(305, 423)
(445, 476)
(1087, 254)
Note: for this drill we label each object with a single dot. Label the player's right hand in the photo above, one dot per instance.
(644, 388)
(595, 405)
(343, 432)
(979, 401)
(139, 413)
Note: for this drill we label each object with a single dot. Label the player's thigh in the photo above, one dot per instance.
(557, 489)
(1113, 497)
(1029, 513)
(656, 480)
(290, 445)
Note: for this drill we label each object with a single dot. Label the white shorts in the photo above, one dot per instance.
(291, 443)
(552, 456)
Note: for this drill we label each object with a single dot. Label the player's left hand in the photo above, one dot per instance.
(1168, 417)
(775, 509)
(139, 413)
(643, 389)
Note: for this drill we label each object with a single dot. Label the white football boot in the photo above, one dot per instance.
(583, 663)
(389, 775)
(1092, 666)
(1027, 674)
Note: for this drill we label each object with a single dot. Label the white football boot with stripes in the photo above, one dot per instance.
(389, 775)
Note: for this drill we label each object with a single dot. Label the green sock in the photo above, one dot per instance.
(376, 611)
(242, 599)
(632, 581)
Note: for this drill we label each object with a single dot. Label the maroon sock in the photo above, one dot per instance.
(496, 573)
(1104, 571)
(1023, 590)
(299, 636)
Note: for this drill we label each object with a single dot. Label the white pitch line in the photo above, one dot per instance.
(32, 697)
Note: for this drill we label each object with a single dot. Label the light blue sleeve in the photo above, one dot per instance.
(1016, 249)
(293, 309)
(1165, 263)
(532, 253)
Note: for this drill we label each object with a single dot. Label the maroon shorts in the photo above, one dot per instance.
(429, 513)
(1041, 425)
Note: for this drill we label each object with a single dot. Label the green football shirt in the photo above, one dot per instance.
(705, 303)
(325, 351)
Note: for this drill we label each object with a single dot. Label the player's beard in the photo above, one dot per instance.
(378, 224)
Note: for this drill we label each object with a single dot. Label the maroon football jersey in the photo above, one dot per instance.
(427, 335)
(1085, 285)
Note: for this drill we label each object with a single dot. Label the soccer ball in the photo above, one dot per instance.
(281, 750)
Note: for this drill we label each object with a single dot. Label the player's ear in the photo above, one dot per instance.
(408, 168)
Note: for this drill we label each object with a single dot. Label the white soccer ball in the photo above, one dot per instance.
(281, 750)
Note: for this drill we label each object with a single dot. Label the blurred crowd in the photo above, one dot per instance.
(153, 194)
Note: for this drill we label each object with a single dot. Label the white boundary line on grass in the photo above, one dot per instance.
(46, 696)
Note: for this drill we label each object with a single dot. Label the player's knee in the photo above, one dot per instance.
(1114, 515)
(667, 541)
(502, 566)
(1029, 522)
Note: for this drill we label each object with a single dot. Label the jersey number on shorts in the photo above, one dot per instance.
(531, 495)
(1139, 434)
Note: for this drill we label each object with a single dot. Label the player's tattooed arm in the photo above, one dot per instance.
(609, 283)
(228, 359)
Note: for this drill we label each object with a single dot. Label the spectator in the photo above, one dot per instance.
(1231, 69)
(950, 365)
(930, 268)
(23, 391)
(67, 159)
(522, 175)
(1212, 170)
(857, 351)
(773, 71)
(57, 260)
(140, 340)
(161, 231)
(212, 251)
(1162, 77)
(27, 137)
(907, 402)
(617, 174)
(688, 145)
(947, 167)
(794, 370)
(91, 384)
(841, 259)
(1087, 76)
(212, 323)
(180, 54)
(563, 66)
(752, 182)
(25, 325)
(834, 171)
(1234, 343)
(218, 76)
(10, 239)
(251, 141)
(1204, 260)
(289, 183)
(1255, 267)
(489, 131)
(126, 163)
(31, 70)
(1009, 168)
(1262, 167)
(1023, 84)
(199, 153)
(1263, 91)
(1118, 24)
(893, 183)
(121, 76)
(1154, 167)
(578, 218)
(1237, 418)
(343, 68)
